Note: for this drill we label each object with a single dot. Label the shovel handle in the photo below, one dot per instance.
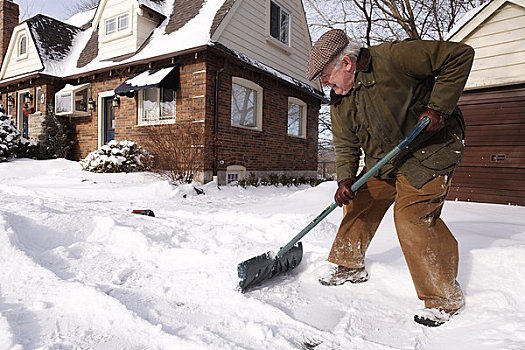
(416, 130)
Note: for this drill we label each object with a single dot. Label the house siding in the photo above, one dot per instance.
(116, 45)
(499, 43)
(251, 39)
(25, 65)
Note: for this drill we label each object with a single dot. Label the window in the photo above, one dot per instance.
(157, 106)
(246, 104)
(111, 26)
(38, 99)
(235, 173)
(117, 24)
(279, 23)
(123, 22)
(22, 46)
(72, 100)
(233, 177)
(10, 106)
(296, 117)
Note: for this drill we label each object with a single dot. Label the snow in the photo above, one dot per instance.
(195, 33)
(148, 78)
(79, 271)
(82, 18)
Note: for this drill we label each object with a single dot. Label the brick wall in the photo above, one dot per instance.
(9, 14)
(270, 150)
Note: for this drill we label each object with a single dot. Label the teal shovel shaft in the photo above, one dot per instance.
(416, 130)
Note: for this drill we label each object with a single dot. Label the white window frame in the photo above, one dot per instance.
(72, 90)
(38, 100)
(170, 120)
(303, 121)
(277, 41)
(235, 170)
(22, 55)
(248, 84)
(118, 32)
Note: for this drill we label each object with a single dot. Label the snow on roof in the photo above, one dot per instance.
(194, 33)
(157, 6)
(82, 18)
(465, 19)
(149, 77)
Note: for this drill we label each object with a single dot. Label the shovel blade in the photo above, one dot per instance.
(263, 267)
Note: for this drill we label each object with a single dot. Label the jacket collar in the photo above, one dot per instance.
(362, 65)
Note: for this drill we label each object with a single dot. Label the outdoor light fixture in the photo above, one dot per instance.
(28, 98)
(91, 104)
(116, 101)
(10, 101)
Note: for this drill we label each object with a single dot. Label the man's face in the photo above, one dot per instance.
(340, 80)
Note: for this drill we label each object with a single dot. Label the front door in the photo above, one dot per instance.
(109, 120)
(22, 114)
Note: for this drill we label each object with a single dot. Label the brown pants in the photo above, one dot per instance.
(430, 249)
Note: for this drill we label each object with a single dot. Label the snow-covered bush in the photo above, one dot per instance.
(12, 144)
(117, 157)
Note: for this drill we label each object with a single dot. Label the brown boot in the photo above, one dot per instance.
(342, 274)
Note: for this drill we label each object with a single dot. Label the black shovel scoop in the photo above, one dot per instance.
(256, 270)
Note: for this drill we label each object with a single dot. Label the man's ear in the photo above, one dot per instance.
(347, 64)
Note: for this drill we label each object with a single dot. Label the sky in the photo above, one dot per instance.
(54, 8)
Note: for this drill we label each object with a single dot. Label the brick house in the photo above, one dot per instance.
(127, 67)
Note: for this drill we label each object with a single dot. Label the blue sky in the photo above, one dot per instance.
(54, 8)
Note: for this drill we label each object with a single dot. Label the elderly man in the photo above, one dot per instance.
(377, 95)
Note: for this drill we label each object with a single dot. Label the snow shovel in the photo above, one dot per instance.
(256, 270)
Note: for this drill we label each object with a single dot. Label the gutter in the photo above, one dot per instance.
(216, 123)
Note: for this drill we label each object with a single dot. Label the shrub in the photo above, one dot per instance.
(54, 141)
(277, 180)
(12, 144)
(177, 150)
(117, 157)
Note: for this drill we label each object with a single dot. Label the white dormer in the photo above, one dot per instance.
(123, 26)
(22, 56)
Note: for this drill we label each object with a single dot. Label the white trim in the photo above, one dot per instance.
(236, 169)
(172, 118)
(19, 105)
(73, 89)
(100, 119)
(304, 118)
(117, 34)
(259, 112)
(270, 39)
(22, 56)
(474, 22)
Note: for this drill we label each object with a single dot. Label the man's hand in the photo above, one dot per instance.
(437, 121)
(344, 194)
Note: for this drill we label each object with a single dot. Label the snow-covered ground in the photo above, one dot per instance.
(78, 271)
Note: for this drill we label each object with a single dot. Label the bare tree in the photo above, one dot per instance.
(374, 21)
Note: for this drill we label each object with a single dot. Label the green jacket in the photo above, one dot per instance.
(394, 83)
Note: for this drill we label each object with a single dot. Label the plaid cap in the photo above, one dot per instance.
(329, 45)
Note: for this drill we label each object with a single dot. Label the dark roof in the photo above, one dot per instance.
(52, 37)
(183, 12)
(90, 51)
(219, 16)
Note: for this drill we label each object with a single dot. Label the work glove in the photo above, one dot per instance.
(437, 120)
(344, 194)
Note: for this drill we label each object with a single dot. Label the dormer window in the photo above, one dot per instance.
(279, 23)
(22, 47)
(117, 24)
